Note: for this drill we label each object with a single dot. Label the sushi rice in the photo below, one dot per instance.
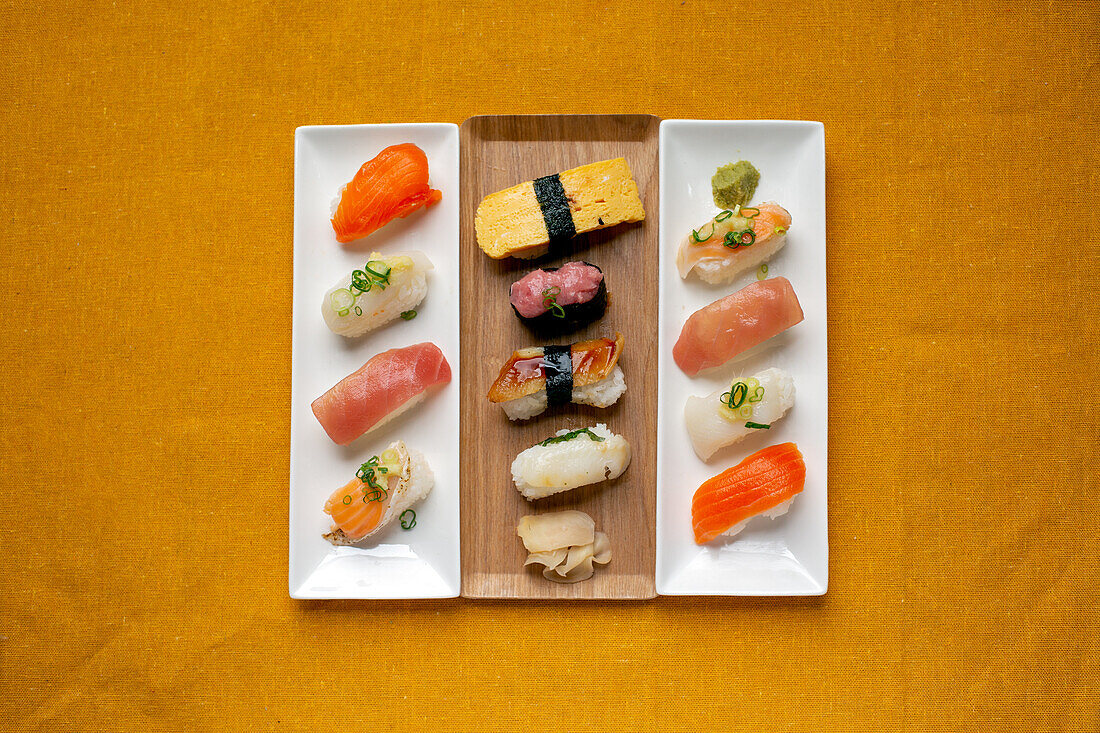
(603, 393)
(776, 511)
(543, 470)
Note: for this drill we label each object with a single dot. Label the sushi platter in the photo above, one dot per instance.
(558, 357)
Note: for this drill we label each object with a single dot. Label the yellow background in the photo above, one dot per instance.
(146, 173)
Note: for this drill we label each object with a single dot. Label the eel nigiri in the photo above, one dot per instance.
(560, 298)
(765, 483)
(523, 220)
(386, 386)
(569, 459)
(716, 333)
(733, 242)
(749, 405)
(386, 287)
(384, 487)
(392, 184)
(586, 373)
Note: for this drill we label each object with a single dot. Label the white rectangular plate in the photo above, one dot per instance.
(788, 555)
(424, 561)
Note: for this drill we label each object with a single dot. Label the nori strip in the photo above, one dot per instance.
(555, 208)
(557, 364)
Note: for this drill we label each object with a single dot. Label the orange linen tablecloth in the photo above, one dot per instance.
(146, 181)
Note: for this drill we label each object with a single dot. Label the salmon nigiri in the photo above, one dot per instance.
(392, 184)
(733, 242)
(765, 483)
(384, 488)
(716, 333)
(386, 386)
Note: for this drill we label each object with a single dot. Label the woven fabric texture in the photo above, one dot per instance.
(146, 191)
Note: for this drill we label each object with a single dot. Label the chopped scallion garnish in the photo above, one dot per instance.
(757, 426)
(550, 301)
(410, 522)
(408, 315)
(697, 236)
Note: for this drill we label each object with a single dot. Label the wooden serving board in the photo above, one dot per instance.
(498, 152)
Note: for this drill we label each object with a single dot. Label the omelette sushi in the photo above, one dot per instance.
(383, 289)
(391, 185)
(388, 385)
(764, 484)
(523, 220)
(585, 373)
(384, 487)
(749, 405)
(718, 332)
(568, 459)
(733, 242)
(558, 299)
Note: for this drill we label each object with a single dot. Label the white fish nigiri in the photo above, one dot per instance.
(731, 243)
(713, 424)
(570, 459)
(377, 293)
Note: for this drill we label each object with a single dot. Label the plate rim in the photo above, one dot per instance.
(816, 128)
(301, 133)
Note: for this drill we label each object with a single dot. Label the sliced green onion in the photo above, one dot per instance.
(342, 300)
(366, 474)
(781, 230)
(550, 301)
(360, 281)
(737, 394)
(724, 215)
(755, 212)
(375, 495)
(745, 411)
(695, 234)
(383, 276)
(730, 240)
(347, 499)
(757, 426)
(408, 315)
(410, 522)
(757, 395)
(358, 311)
(763, 272)
(571, 435)
(343, 312)
(746, 233)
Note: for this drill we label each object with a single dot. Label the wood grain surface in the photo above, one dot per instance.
(498, 152)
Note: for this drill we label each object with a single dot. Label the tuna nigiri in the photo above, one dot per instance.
(384, 487)
(559, 299)
(765, 483)
(386, 386)
(392, 184)
(716, 333)
(733, 242)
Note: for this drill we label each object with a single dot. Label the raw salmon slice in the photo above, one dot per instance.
(392, 184)
(386, 386)
(716, 333)
(763, 483)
